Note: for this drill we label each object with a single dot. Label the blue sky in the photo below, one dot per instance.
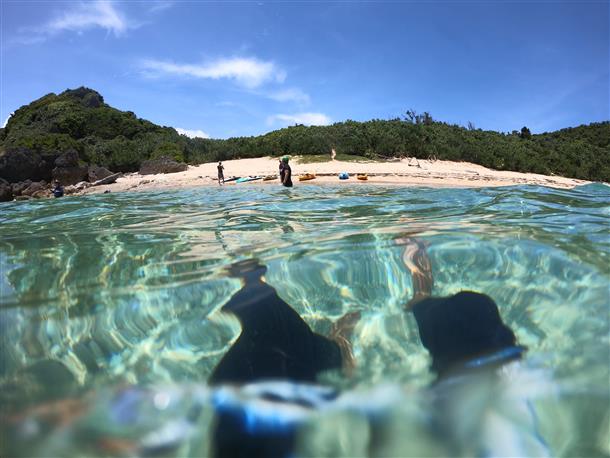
(225, 69)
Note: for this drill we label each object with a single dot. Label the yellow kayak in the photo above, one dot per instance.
(307, 176)
(362, 176)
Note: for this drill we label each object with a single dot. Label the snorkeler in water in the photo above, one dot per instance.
(461, 332)
(275, 343)
(266, 388)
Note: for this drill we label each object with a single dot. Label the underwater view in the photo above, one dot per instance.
(111, 321)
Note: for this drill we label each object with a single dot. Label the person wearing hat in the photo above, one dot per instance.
(286, 173)
(58, 189)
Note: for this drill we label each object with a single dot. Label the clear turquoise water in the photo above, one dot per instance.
(104, 290)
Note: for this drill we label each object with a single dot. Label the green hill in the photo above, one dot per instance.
(79, 120)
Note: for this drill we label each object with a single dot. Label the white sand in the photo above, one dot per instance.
(428, 173)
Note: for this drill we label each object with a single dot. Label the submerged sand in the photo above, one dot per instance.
(404, 172)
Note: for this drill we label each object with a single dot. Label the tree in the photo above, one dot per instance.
(525, 133)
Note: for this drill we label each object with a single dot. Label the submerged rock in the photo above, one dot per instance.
(162, 165)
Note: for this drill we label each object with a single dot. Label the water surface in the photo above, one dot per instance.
(101, 291)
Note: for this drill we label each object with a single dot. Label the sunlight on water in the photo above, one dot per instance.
(104, 290)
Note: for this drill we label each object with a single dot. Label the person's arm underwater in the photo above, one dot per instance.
(341, 333)
(417, 261)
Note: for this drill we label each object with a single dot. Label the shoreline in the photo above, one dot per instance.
(391, 173)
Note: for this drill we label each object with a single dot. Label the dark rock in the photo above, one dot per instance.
(19, 165)
(19, 187)
(33, 188)
(97, 173)
(42, 193)
(22, 198)
(108, 180)
(162, 165)
(70, 175)
(6, 191)
(68, 159)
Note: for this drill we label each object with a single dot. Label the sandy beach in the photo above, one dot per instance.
(404, 172)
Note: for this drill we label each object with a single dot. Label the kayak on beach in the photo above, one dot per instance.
(306, 177)
(246, 179)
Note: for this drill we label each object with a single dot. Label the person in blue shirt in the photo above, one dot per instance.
(58, 189)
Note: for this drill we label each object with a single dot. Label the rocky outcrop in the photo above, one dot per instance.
(34, 189)
(70, 175)
(78, 187)
(67, 160)
(6, 191)
(161, 165)
(108, 180)
(22, 164)
(97, 173)
(67, 169)
(19, 187)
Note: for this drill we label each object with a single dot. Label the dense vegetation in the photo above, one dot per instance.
(80, 120)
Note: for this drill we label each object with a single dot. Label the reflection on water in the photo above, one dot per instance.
(104, 290)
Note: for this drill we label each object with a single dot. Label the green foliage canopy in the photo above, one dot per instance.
(80, 120)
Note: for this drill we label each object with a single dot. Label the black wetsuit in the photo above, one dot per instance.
(58, 191)
(460, 328)
(221, 175)
(274, 344)
(287, 177)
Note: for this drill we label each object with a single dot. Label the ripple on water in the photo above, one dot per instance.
(128, 287)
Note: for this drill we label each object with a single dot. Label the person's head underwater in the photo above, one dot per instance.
(465, 331)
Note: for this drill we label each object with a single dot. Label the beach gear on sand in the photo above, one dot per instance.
(270, 177)
(246, 179)
(306, 177)
(344, 176)
(232, 179)
(362, 176)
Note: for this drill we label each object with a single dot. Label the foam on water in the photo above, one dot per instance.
(100, 290)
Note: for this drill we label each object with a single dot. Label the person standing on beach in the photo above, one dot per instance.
(286, 173)
(221, 175)
(281, 171)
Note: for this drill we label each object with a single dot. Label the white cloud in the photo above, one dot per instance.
(158, 6)
(83, 16)
(290, 95)
(192, 133)
(249, 72)
(309, 119)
